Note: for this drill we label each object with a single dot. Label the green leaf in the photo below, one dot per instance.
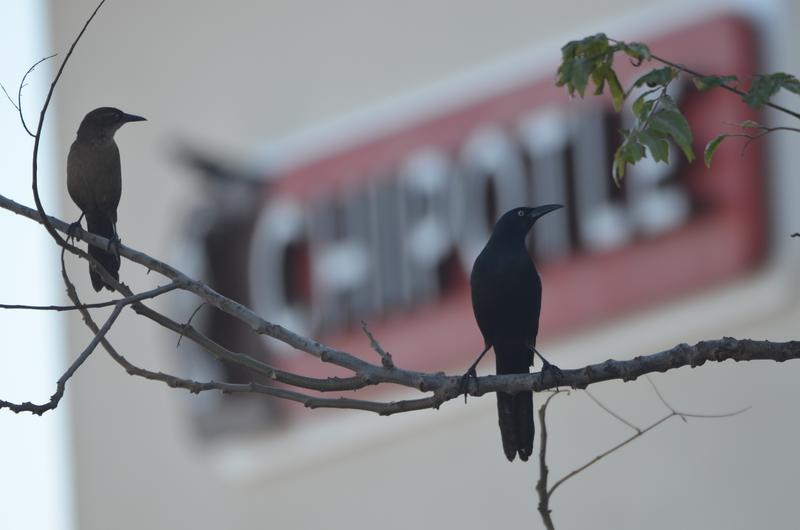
(658, 146)
(630, 152)
(666, 102)
(750, 124)
(569, 49)
(637, 50)
(580, 76)
(589, 58)
(765, 86)
(595, 45)
(657, 77)
(564, 73)
(761, 90)
(711, 147)
(640, 107)
(599, 79)
(614, 86)
(790, 83)
(707, 82)
(672, 123)
(574, 73)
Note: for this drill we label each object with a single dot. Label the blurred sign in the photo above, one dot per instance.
(386, 229)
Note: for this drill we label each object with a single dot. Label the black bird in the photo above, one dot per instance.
(506, 299)
(94, 181)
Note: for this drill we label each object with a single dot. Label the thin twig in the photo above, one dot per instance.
(658, 393)
(8, 96)
(763, 130)
(544, 471)
(386, 357)
(189, 322)
(608, 452)
(611, 412)
(725, 86)
(22, 85)
(642, 432)
(545, 494)
(153, 293)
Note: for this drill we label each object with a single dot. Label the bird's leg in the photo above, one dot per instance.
(74, 226)
(114, 242)
(471, 372)
(547, 366)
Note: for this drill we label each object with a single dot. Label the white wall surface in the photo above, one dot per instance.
(35, 492)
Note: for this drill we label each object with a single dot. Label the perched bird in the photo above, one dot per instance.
(506, 300)
(94, 181)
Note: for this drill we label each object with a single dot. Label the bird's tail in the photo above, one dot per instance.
(515, 411)
(102, 226)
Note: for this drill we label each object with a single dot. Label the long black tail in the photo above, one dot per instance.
(102, 226)
(515, 411)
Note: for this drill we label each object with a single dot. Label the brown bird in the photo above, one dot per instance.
(94, 181)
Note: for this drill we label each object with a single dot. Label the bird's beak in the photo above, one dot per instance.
(132, 117)
(539, 211)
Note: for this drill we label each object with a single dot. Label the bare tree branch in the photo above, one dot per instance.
(100, 334)
(443, 386)
(196, 387)
(62, 381)
(448, 386)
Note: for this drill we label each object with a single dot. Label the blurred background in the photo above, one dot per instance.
(327, 163)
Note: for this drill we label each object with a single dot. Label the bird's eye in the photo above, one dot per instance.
(520, 213)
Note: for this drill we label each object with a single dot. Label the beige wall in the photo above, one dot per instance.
(237, 75)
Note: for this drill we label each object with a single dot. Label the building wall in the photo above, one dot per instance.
(240, 75)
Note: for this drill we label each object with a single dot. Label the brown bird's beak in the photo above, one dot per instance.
(539, 211)
(132, 117)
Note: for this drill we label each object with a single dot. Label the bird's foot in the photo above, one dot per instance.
(113, 245)
(548, 367)
(72, 229)
(471, 373)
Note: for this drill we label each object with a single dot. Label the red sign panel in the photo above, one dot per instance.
(386, 229)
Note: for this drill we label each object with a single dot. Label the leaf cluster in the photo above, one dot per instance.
(657, 118)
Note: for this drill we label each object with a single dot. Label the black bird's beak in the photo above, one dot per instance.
(539, 211)
(132, 117)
